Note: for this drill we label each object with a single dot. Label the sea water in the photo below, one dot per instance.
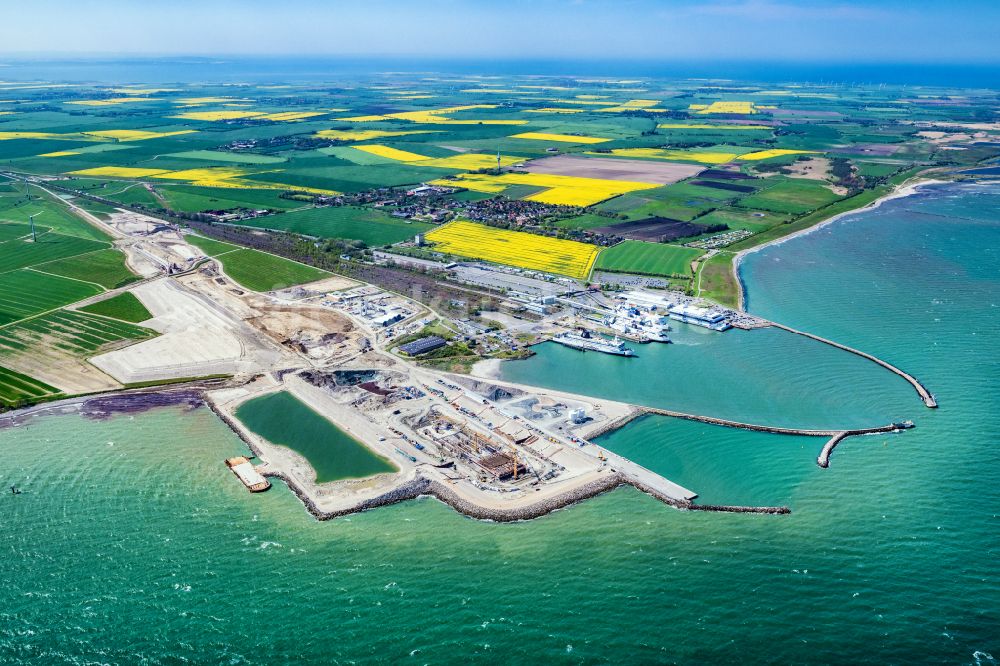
(133, 543)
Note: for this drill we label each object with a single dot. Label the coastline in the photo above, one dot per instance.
(904, 190)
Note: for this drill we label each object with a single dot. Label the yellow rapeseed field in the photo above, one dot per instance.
(552, 109)
(438, 116)
(196, 101)
(515, 248)
(463, 161)
(583, 102)
(229, 177)
(364, 135)
(633, 105)
(212, 116)
(566, 138)
(724, 107)
(559, 190)
(712, 127)
(141, 91)
(134, 135)
(7, 136)
(776, 152)
(119, 172)
(703, 157)
(60, 153)
(392, 153)
(111, 102)
(286, 116)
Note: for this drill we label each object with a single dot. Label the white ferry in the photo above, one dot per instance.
(585, 342)
(710, 318)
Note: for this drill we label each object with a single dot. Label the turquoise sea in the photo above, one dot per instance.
(132, 543)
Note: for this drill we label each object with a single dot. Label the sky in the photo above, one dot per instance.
(905, 31)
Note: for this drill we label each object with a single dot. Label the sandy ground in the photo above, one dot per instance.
(196, 340)
(488, 368)
(663, 173)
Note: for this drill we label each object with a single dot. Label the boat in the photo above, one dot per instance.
(248, 474)
(586, 342)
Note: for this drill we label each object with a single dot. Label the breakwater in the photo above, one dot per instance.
(424, 487)
(892, 427)
(824, 456)
(925, 395)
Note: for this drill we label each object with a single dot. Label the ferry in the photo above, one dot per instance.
(709, 318)
(643, 329)
(585, 342)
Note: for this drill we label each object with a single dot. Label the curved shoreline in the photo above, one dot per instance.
(904, 190)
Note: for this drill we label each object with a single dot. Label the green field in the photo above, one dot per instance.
(11, 230)
(189, 199)
(24, 293)
(51, 214)
(717, 282)
(791, 195)
(16, 388)
(222, 156)
(372, 227)
(50, 246)
(105, 267)
(260, 271)
(124, 306)
(210, 246)
(645, 258)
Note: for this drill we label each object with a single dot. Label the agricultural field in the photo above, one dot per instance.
(210, 246)
(260, 271)
(105, 268)
(124, 306)
(644, 258)
(372, 227)
(791, 195)
(24, 293)
(74, 332)
(17, 388)
(515, 248)
(579, 156)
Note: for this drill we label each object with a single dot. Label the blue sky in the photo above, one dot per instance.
(848, 30)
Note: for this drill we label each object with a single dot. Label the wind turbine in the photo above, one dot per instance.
(31, 221)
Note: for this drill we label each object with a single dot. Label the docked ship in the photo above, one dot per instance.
(710, 318)
(584, 341)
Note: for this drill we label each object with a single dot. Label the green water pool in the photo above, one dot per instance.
(283, 419)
